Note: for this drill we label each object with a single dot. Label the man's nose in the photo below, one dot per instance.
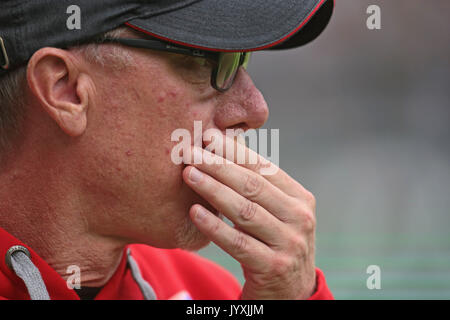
(242, 106)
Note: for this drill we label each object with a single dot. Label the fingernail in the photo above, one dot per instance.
(195, 175)
(201, 214)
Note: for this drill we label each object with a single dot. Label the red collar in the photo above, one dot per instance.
(120, 286)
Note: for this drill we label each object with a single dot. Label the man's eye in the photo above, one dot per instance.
(200, 61)
(196, 70)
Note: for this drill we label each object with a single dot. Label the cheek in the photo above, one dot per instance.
(167, 110)
(152, 112)
(173, 109)
(167, 103)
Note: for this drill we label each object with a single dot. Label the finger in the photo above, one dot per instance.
(228, 147)
(245, 249)
(247, 183)
(247, 215)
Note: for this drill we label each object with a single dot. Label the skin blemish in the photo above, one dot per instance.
(161, 97)
(129, 153)
(14, 177)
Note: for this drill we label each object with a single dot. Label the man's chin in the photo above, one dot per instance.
(188, 237)
(198, 246)
(193, 241)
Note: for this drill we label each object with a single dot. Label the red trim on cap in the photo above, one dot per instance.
(319, 5)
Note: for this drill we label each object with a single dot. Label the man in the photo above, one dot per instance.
(91, 92)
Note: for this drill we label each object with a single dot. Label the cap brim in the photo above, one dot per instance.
(236, 25)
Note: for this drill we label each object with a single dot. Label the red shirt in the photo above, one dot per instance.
(169, 273)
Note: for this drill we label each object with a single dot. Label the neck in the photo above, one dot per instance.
(40, 210)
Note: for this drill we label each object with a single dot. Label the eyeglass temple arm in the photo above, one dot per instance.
(160, 46)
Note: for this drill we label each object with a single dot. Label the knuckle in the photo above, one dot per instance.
(215, 227)
(240, 242)
(309, 221)
(248, 210)
(298, 246)
(260, 163)
(257, 165)
(311, 200)
(295, 242)
(282, 265)
(306, 216)
(299, 209)
(252, 186)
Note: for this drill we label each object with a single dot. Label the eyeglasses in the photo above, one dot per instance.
(226, 64)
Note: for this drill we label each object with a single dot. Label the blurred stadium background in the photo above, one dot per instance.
(364, 119)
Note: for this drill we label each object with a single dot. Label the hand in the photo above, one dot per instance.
(274, 223)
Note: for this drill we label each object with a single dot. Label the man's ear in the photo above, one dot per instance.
(60, 88)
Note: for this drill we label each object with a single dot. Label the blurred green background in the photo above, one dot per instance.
(364, 119)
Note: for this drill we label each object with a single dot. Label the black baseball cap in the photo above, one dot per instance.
(215, 25)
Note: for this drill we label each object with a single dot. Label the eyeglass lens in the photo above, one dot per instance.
(229, 63)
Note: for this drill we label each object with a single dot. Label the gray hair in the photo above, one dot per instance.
(13, 101)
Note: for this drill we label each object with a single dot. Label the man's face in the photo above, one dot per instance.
(136, 191)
